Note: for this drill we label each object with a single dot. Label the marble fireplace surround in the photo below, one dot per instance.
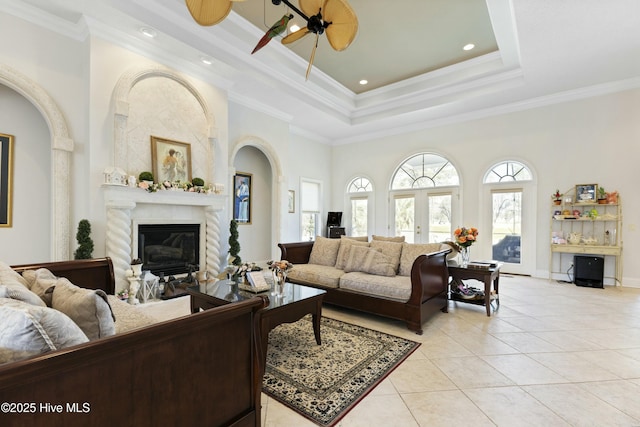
(128, 207)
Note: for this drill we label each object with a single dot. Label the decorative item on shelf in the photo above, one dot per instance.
(114, 176)
(574, 238)
(602, 196)
(586, 193)
(279, 269)
(612, 198)
(464, 238)
(557, 197)
(136, 267)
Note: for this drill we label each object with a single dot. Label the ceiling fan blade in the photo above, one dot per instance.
(344, 23)
(311, 7)
(292, 37)
(313, 56)
(209, 12)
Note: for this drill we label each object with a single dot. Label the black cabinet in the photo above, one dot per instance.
(335, 232)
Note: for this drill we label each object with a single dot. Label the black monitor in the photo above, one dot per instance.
(334, 219)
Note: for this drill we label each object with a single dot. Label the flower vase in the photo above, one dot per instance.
(464, 255)
(137, 269)
(279, 279)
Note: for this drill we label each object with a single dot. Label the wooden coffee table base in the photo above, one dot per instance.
(278, 312)
(488, 277)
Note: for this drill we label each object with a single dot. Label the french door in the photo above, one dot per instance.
(423, 216)
(512, 229)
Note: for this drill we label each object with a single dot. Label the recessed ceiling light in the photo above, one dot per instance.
(149, 32)
(206, 60)
(294, 28)
(364, 82)
(469, 46)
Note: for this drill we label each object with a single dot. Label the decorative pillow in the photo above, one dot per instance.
(9, 276)
(358, 238)
(370, 261)
(324, 251)
(343, 252)
(29, 330)
(20, 293)
(411, 251)
(391, 249)
(89, 308)
(39, 281)
(397, 239)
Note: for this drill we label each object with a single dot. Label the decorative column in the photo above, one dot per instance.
(118, 239)
(213, 240)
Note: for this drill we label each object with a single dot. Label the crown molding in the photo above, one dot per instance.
(259, 107)
(77, 31)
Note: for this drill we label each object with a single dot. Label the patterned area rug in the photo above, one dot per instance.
(324, 382)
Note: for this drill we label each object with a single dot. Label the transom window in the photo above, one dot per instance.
(425, 171)
(508, 171)
(360, 184)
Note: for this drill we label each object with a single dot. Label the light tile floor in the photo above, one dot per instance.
(553, 354)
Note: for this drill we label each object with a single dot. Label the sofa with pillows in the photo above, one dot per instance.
(76, 355)
(385, 276)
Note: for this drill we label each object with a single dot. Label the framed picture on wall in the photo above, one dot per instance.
(171, 160)
(292, 201)
(586, 193)
(242, 193)
(6, 174)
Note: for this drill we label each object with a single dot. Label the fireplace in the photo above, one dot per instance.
(169, 248)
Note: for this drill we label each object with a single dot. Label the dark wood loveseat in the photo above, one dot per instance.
(202, 369)
(429, 283)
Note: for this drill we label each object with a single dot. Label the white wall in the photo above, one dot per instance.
(587, 141)
(31, 181)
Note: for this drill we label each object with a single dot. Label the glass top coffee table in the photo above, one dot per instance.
(296, 302)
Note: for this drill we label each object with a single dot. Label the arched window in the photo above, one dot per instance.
(508, 171)
(424, 192)
(360, 184)
(360, 191)
(424, 171)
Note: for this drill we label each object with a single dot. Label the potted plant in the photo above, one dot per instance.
(146, 176)
(557, 197)
(602, 196)
(85, 243)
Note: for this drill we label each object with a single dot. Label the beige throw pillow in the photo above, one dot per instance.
(358, 238)
(29, 330)
(40, 281)
(397, 239)
(370, 261)
(87, 307)
(324, 251)
(391, 249)
(14, 286)
(411, 251)
(343, 252)
(9, 276)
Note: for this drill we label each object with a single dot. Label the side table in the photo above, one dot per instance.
(489, 277)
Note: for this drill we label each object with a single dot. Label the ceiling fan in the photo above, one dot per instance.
(209, 12)
(335, 17)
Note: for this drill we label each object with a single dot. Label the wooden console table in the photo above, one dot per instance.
(487, 276)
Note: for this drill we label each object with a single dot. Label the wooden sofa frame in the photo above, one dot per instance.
(202, 369)
(429, 282)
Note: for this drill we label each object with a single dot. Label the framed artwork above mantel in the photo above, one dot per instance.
(6, 176)
(171, 160)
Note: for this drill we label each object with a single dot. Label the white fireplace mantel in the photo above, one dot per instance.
(126, 207)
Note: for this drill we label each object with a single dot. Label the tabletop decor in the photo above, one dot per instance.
(279, 269)
(464, 238)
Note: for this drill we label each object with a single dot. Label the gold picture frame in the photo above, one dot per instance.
(171, 160)
(6, 179)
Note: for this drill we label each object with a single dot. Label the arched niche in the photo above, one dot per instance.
(281, 193)
(61, 149)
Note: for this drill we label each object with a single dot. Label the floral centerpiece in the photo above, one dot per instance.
(464, 238)
(279, 269)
